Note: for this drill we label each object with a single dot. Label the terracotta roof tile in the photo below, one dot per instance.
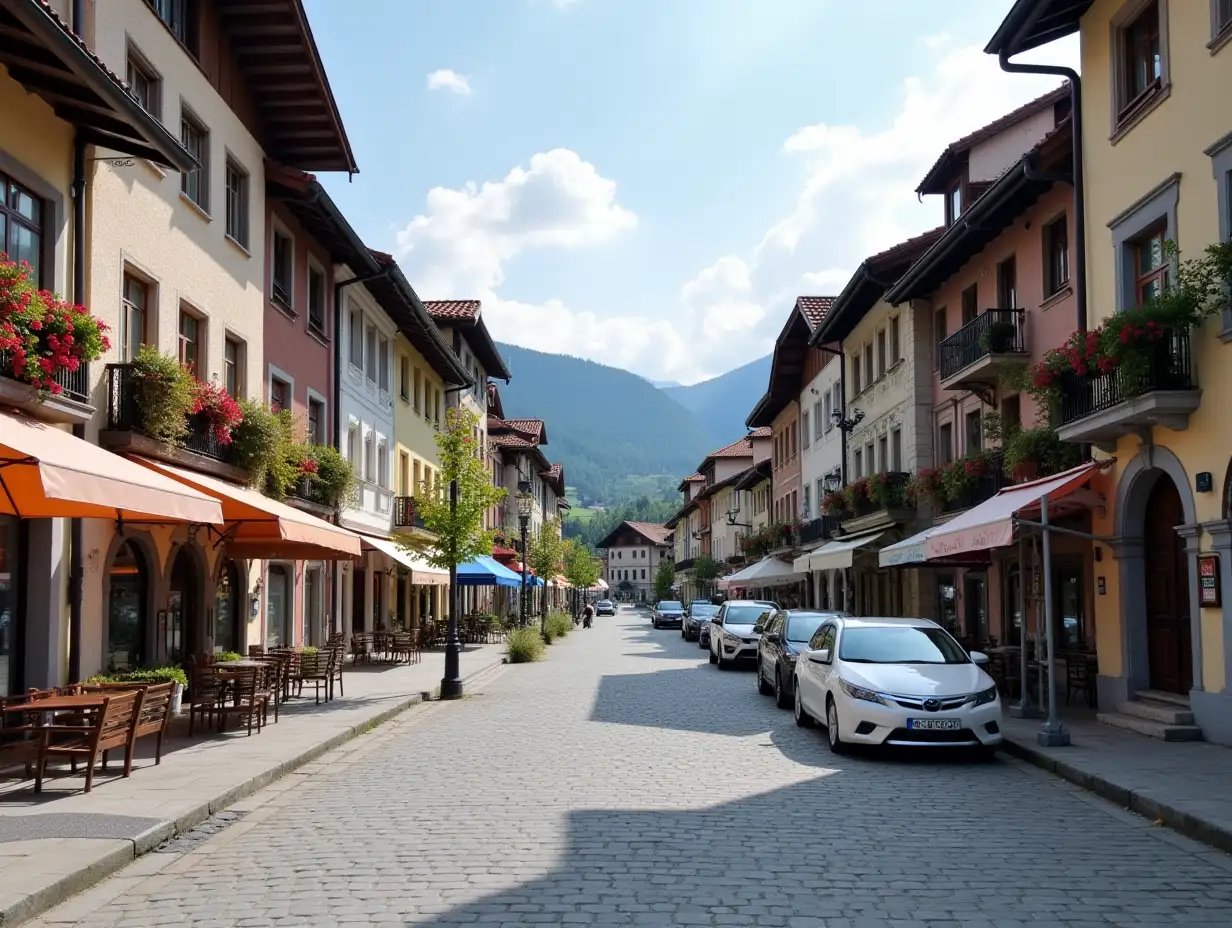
(814, 308)
(511, 440)
(695, 478)
(740, 448)
(764, 432)
(529, 426)
(656, 533)
(453, 309)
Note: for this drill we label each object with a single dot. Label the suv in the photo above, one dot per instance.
(733, 630)
(699, 613)
(667, 612)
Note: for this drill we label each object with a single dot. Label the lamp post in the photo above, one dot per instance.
(525, 502)
(451, 683)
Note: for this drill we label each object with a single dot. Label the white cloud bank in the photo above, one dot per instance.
(857, 199)
(445, 79)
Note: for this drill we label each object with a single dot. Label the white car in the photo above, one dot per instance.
(900, 682)
(732, 631)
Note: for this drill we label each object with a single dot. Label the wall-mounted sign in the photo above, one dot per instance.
(1204, 482)
(1208, 580)
(1103, 586)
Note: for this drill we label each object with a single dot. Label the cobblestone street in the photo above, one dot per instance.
(625, 781)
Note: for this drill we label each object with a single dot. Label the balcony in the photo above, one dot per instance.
(985, 488)
(870, 513)
(1100, 408)
(312, 496)
(200, 448)
(71, 406)
(405, 514)
(974, 356)
(817, 530)
(686, 564)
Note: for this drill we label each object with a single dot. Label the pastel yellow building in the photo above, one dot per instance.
(417, 460)
(1157, 146)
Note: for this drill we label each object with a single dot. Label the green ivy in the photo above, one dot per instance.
(165, 391)
(259, 445)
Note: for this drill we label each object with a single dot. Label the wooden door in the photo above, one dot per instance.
(1169, 646)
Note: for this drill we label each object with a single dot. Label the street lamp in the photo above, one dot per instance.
(451, 683)
(525, 504)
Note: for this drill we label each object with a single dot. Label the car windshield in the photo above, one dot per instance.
(900, 644)
(703, 609)
(670, 607)
(801, 626)
(744, 615)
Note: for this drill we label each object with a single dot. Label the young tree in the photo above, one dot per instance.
(664, 579)
(545, 555)
(582, 569)
(452, 510)
(705, 571)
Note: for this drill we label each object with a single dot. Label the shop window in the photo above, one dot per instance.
(947, 604)
(1068, 609)
(278, 606)
(127, 610)
(10, 609)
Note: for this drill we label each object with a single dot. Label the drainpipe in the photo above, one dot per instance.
(76, 539)
(1080, 216)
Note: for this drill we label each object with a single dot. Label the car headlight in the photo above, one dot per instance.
(984, 698)
(859, 692)
(735, 639)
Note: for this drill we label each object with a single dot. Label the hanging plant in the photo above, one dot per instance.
(219, 408)
(259, 444)
(857, 495)
(835, 504)
(166, 394)
(887, 490)
(42, 335)
(324, 474)
(1038, 452)
(927, 487)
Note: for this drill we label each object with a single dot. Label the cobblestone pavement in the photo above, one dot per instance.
(625, 781)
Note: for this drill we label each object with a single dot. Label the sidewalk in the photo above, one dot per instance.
(1184, 784)
(61, 841)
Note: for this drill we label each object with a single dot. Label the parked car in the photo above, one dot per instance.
(667, 612)
(605, 607)
(901, 682)
(732, 635)
(703, 630)
(698, 613)
(786, 633)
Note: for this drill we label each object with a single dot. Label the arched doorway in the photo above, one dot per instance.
(1168, 632)
(184, 632)
(278, 607)
(227, 597)
(128, 623)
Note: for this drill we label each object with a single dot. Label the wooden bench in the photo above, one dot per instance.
(155, 712)
(114, 725)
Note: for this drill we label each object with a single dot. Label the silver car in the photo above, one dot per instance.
(732, 634)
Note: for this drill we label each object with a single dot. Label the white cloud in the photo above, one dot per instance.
(857, 199)
(445, 79)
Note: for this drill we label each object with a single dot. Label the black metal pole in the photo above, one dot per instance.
(522, 597)
(451, 683)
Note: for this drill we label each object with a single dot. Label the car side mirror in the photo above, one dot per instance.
(979, 658)
(820, 656)
(716, 621)
(773, 638)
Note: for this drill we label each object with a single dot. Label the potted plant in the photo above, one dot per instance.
(834, 504)
(165, 395)
(1032, 453)
(927, 487)
(857, 496)
(213, 403)
(173, 675)
(999, 337)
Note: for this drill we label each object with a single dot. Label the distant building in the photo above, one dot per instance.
(633, 552)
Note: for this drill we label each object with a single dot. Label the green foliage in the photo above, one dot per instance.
(546, 552)
(558, 624)
(1038, 452)
(223, 656)
(152, 675)
(525, 645)
(259, 444)
(165, 395)
(581, 568)
(326, 475)
(458, 533)
(706, 570)
(664, 579)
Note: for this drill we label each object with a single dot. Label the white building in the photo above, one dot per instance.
(634, 551)
(821, 443)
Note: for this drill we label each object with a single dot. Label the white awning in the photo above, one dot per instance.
(838, 555)
(911, 550)
(801, 564)
(769, 571)
(422, 573)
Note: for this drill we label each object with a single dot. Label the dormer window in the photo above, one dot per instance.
(953, 204)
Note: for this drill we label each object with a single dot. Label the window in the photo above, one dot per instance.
(817, 421)
(237, 203)
(190, 342)
(133, 315)
(233, 366)
(316, 300)
(436, 417)
(280, 395)
(21, 226)
(828, 400)
(1151, 266)
(1056, 255)
(953, 204)
(1221, 162)
(404, 378)
(805, 512)
(855, 374)
(868, 364)
(939, 335)
(370, 353)
(804, 429)
(353, 446)
(144, 83)
(415, 399)
(415, 478)
(382, 462)
(1221, 18)
(1011, 415)
(1140, 47)
(355, 338)
(945, 444)
(195, 138)
(896, 450)
(896, 344)
(282, 273)
(643, 573)
(870, 462)
(883, 453)
(970, 304)
(881, 353)
(1007, 284)
(316, 421)
(382, 355)
(175, 14)
(974, 431)
(369, 457)
(858, 465)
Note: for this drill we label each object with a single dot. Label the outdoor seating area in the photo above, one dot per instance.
(1076, 670)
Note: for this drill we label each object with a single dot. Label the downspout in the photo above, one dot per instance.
(1080, 223)
(76, 569)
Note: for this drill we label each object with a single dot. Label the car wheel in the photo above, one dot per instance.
(985, 754)
(713, 659)
(837, 744)
(762, 686)
(803, 719)
(723, 664)
(780, 697)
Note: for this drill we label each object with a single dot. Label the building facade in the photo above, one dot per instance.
(634, 551)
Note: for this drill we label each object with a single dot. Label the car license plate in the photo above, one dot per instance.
(934, 724)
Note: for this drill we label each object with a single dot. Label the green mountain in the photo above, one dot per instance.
(617, 435)
(723, 403)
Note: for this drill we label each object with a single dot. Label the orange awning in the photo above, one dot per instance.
(260, 527)
(47, 473)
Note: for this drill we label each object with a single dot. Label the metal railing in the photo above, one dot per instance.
(686, 564)
(817, 530)
(1169, 367)
(994, 331)
(405, 513)
(124, 397)
(898, 481)
(988, 485)
(74, 384)
(312, 491)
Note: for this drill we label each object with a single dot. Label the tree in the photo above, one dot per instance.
(545, 555)
(706, 570)
(582, 569)
(664, 580)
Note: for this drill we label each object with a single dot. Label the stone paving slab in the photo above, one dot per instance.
(1184, 784)
(60, 842)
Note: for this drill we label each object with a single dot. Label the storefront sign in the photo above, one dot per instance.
(1208, 580)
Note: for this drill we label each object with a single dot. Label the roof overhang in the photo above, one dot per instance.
(475, 331)
(786, 370)
(44, 55)
(1032, 23)
(273, 44)
(754, 475)
(311, 205)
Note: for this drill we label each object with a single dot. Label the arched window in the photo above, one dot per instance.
(127, 610)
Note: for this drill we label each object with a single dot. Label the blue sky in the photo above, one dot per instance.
(649, 183)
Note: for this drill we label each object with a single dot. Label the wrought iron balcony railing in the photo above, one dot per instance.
(1170, 367)
(817, 530)
(75, 384)
(994, 331)
(124, 399)
(405, 513)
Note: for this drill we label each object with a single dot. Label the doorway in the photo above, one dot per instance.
(127, 611)
(975, 609)
(314, 599)
(1168, 633)
(278, 608)
(226, 610)
(183, 633)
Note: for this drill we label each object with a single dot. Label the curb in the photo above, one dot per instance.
(98, 870)
(1182, 822)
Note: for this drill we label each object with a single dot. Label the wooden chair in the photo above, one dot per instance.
(269, 686)
(205, 694)
(155, 710)
(337, 660)
(1078, 678)
(314, 668)
(114, 726)
(244, 700)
